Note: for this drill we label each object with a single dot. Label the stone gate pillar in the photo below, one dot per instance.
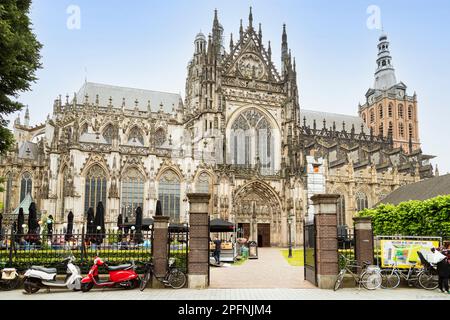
(198, 257)
(160, 249)
(363, 239)
(325, 208)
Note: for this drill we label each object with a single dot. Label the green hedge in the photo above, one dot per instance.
(412, 218)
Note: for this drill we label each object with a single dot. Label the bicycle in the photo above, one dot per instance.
(425, 277)
(391, 276)
(174, 277)
(369, 277)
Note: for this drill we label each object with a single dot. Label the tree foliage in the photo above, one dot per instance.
(19, 60)
(412, 218)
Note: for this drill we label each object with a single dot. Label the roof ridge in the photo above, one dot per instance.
(123, 87)
(339, 114)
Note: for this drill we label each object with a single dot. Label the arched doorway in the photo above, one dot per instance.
(257, 213)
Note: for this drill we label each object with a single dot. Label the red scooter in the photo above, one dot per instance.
(123, 276)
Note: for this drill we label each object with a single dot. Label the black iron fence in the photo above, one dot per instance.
(346, 244)
(116, 247)
(179, 247)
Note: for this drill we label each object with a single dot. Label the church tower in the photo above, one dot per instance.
(389, 111)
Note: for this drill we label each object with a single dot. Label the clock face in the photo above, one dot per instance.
(251, 66)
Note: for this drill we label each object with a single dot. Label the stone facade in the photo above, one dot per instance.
(239, 135)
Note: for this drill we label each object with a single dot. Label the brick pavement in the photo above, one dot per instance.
(270, 270)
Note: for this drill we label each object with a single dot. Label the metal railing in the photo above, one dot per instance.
(116, 247)
(178, 248)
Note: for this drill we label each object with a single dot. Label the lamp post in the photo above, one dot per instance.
(290, 241)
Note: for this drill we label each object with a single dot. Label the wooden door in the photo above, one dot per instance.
(245, 227)
(264, 234)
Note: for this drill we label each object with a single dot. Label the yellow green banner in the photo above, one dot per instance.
(403, 253)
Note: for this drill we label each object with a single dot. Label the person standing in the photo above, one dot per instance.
(443, 269)
(217, 248)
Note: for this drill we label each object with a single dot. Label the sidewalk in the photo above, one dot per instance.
(270, 270)
(231, 294)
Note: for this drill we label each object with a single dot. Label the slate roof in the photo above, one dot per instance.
(25, 204)
(104, 92)
(423, 190)
(319, 116)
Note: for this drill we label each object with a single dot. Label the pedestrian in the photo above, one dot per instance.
(217, 248)
(443, 269)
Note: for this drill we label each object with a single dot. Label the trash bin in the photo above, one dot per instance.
(253, 250)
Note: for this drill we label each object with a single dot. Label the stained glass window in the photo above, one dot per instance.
(108, 133)
(26, 185)
(361, 201)
(135, 136)
(95, 188)
(169, 195)
(132, 193)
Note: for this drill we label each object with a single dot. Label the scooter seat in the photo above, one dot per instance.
(121, 267)
(46, 270)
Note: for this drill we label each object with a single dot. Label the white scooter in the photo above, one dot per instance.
(38, 277)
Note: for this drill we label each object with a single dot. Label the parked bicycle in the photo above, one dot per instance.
(391, 277)
(367, 275)
(174, 277)
(425, 277)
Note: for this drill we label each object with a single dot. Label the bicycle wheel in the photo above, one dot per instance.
(145, 280)
(371, 281)
(389, 279)
(428, 280)
(339, 279)
(177, 279)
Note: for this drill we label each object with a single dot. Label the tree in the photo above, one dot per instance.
(19, 60)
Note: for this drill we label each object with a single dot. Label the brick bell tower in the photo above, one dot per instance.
(389, 111)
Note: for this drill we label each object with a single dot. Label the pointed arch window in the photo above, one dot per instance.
(26, 185)
(8, 193)
(390, 107)
(380, 111)
(381, 130)
(411, 131)
(132, 195)
(410, 113)
(391, 129)
(108, 133)
(84, 128)
(372, 116)
(135, 136)
(203, 183)
(252, 141)
(361, 201)
(169, 195)
(400, 111)
(95, 188)
(401, 129)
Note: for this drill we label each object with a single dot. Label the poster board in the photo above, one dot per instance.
(403, 252)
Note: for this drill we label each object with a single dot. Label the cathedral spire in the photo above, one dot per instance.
(250, 19)
(385, 73)
(241, 30)
(231, 42)
(284, 46)
(27, 117)
(260, 34)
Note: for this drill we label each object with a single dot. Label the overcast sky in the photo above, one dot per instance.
(147, 44)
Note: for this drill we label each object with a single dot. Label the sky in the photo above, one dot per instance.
(147, 44)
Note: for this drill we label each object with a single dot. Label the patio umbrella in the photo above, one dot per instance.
(32, 224)
(100, 222)
(158, 208)
(50, 227)
(20, 221)
(90, 224)
(126, 229)
(120, 225)
(138, 234)
(69, 231)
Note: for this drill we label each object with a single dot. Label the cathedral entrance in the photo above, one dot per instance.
(257, 212)
(263, 235)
